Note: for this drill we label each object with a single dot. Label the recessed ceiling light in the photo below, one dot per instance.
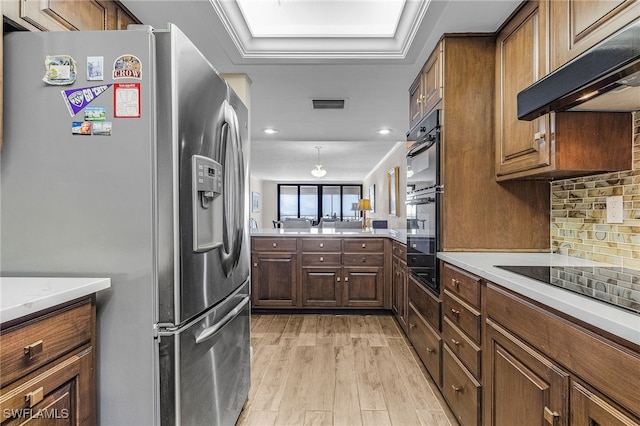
(270, 131)
(384, 131)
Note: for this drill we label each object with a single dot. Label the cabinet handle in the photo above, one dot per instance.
(32, 398)
(346, 279)
(364, 245)
(321, 259)
(275, 244)
(255, 264)
(456, 388)
(455, 283)
(338, 279)
(412, 325)
(429, 350)
(455, 312)
(455, 342)
(538, 136)
(550, 416)
(321, 245)
(364, 259)
(33, 349)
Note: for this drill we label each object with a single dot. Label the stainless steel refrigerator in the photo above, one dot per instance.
(125, 157)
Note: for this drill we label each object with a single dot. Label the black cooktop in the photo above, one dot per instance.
(615, 285)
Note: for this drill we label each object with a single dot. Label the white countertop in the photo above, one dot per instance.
(20, 296)
(396, 234)
(617, 321)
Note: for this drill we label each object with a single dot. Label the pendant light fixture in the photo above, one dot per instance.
(318, 171)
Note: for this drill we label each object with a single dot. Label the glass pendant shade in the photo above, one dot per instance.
(318, 171)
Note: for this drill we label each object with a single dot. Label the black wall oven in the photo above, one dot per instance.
(424, 192)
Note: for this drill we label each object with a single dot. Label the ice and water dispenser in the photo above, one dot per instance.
(206, 203)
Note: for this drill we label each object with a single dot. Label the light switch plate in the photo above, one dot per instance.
(614, 209)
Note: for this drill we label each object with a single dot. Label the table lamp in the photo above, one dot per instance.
(364, 205)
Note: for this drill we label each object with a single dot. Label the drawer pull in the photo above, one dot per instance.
(321, 245)
(429, 350)
(321, 259)
(456, 388)
(338, 279)
(33, 349)
(364, 245)
(455, 342)
(412, 325)
(455, 312)
(255, 264)
(455, 283)
(275, 244)
(364, 260)
(550, 416)
(538, 136)
(346, 279)
(32, 398)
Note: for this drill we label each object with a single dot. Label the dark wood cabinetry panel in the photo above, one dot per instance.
(363, 287)
(321, 287)
(274, 279)
(589, 407)
(427, 343)
(461, 390)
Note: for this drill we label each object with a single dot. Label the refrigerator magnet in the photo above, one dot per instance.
(81, 128)
(102, 128)
(60, 70)
(126, 100)
(95, 113)
(95, 68)
(127, 66)
(77, 99)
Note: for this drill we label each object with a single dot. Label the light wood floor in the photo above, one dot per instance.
(338, 370)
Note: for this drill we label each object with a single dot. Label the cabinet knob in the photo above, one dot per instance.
(32, 398)
(255, 264)
(550, 416)
(455, 312)
(364, 245)
(321, 259)
(412, 325)
(538, 136)
(429, 350)
(321, 245)
(346, 279)
(30, 351)
(455, 283)
(455, 342)
(275, 244)
(456, 388)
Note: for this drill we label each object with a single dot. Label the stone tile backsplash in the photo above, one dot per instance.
(578, 214)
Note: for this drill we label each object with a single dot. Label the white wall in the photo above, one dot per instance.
(378, 177)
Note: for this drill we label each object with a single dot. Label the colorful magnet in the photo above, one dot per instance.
(95, 113)
(60, 70)
(127, 66)
(102, 128)
(126, 100)
(77, 99)
(81, 128)
(95, 68)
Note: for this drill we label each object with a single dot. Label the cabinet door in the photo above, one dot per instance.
(588, 407)
(577, 25)
(416, 98)
(274, 280)
(522, 387)
(321, 287)
(432, 80)
(363, 287)
(520, 61)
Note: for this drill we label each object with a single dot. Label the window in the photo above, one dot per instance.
(315, 201)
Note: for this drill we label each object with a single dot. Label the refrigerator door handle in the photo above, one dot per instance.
(209, 332)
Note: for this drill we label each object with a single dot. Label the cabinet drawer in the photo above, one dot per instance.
(30, 346)
(399, 250)
(321, 244)
(463, 284)
(462, 315)
(275, 244)
(321, 259)
(366, 245)
(427, 344)
(425, 303)
(460, 389)
(362, 259)
(465, 349)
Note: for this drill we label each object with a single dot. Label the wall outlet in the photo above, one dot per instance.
(614, 209)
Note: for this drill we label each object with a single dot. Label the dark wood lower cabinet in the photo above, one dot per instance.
(523, 387)
(321, 287)
(274, 279)
(461, 390)
(363, 287)
(589, 407)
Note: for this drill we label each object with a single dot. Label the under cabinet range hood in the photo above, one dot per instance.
(604, 78)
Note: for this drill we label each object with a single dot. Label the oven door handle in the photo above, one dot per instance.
(421, 146)
(420, 201)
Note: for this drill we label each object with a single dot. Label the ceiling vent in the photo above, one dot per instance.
(328, 103)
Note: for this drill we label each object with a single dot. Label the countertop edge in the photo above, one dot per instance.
(27, 295)
(617, 321)
(399, 235)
